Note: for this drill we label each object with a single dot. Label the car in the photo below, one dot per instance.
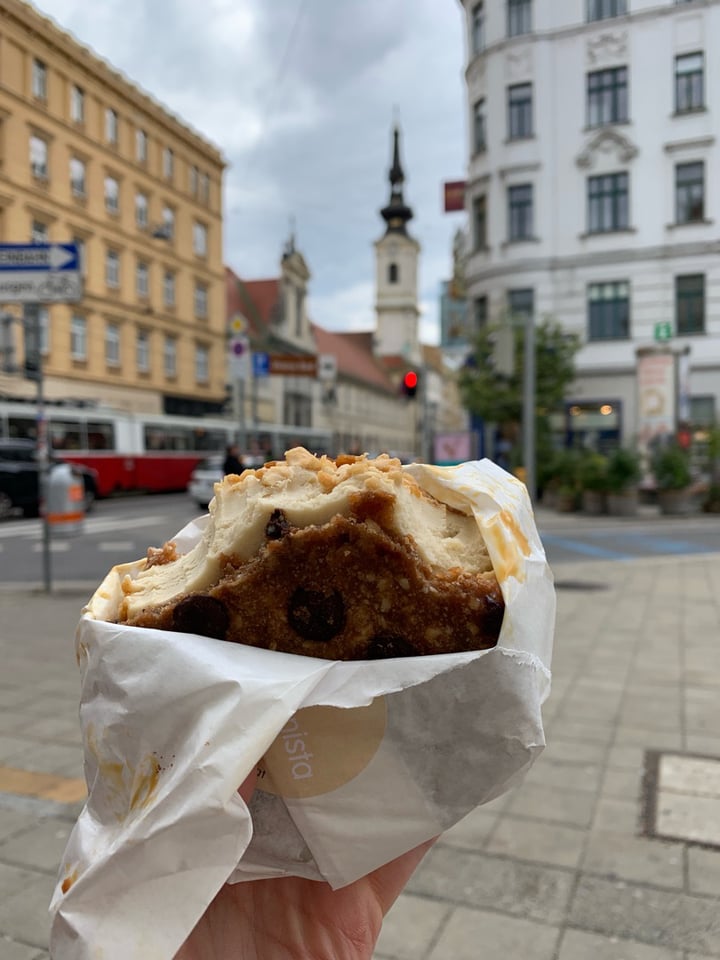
(19, 487)
(203, 479)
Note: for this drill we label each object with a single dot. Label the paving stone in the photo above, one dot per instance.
(40, 847)
(471, 934)
(571, 729)
(635, 858)
(24, 915)
(558, 806)
(472, 831)
(14, 878)
(579, 945)
(658, 917)
(611, 813)
(704, 871)
(12, 950)
(622, 784)
(698, 743)
(688, 817)
(573, 752)
(13, 821)
(411, 927)
(565, 776)
(640, 736)
(624, 757)
(541, 842)
(694, 775)
(478, 880)
(56, 758)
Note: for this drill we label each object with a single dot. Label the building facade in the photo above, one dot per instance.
(592, 191)
(87, 157)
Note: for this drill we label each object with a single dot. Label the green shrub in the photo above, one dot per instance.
(671, 467)
(593, 472)
(623, 470)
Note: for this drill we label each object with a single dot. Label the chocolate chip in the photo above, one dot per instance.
(277, 526)
(385, 646)
(203, 615)
(316, 616)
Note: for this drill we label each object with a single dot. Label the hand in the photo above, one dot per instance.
(290, 918)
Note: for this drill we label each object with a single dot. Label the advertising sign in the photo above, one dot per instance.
(657, 406)
(454, 194)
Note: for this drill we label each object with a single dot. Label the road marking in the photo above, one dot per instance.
(56, 546)
(48, 786)
(33, 528)
(109, 546)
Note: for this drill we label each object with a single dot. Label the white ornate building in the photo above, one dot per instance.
(594, 188)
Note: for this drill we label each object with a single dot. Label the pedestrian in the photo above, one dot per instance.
(232, 463)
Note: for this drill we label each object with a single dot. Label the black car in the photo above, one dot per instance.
(19, 486)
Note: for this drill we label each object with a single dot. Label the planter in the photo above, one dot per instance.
(565, 502)
(622, 504)
(675, 502)
(593, 502)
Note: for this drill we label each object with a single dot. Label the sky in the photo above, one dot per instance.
(300, 96)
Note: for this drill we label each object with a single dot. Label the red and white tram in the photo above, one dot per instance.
(147, 452)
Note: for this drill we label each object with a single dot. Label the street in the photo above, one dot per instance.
(122, 529)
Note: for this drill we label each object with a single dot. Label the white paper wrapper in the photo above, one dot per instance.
(172, 725)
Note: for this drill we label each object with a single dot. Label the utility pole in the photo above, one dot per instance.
(34, 371)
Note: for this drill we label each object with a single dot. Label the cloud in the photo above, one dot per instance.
(299, 95)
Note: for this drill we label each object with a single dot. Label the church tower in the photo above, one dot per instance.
(396, 273)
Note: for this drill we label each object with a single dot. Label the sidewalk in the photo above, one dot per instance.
(557, 870)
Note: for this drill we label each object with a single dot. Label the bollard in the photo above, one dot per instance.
(65, 510)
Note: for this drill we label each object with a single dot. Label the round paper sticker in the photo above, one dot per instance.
(321, 748)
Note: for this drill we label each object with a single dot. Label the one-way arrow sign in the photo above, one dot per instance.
(39, 256)
(40, 273)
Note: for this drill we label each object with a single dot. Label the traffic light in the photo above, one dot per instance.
(410, 384)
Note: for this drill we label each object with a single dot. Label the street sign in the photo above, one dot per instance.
(40, 273)
(239, 351)
(663, 331)
(293, 364)
(261, 364)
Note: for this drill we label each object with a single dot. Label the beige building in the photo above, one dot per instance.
(86, 156)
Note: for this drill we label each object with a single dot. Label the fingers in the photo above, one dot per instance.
(389, 880)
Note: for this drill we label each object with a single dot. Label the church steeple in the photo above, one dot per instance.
(397, 213)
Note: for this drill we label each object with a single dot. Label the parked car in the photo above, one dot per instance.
(19, 486)
(204, 477)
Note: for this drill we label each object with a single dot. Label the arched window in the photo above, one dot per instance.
(393, 273)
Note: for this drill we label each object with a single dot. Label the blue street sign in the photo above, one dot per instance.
(43, 257)
(261, 364)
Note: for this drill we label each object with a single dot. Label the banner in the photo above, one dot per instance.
(657, 407)
(454, 195)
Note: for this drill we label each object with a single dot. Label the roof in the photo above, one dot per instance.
(355, 358)
(256, 300)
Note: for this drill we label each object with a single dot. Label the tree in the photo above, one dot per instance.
(497, 397)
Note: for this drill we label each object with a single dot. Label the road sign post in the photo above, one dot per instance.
(31, 274)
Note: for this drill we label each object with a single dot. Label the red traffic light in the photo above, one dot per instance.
(410, 383)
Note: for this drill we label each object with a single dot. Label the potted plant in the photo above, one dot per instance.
(593, 482)
(566, 480)
(711, 502)
(623, 474)
(671, 468)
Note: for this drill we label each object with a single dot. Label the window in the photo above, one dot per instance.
(78, 338)
(111, 126)
(141, 210)
(170, 357)
(479, 127)
(141, 142)
(200, 238)
(112, 345)
(77, 177)
(480, 312)
(603, 9)
(607, 96)
(77, 104)
(609, 310)
(393, 273)
(168, 219)
(690, 192)
(521, 305)
(39, 80)
(39, 232)
(520, 119)
(689, 83)
(201, 300)
(477, 28)
(112, 195)
(169, 288)
(39, 158)
(519, 15)
(168, 163)
(608, 207)
(142, 351)
(193, 181)
(520, 212)
(204, 188)
(202, 363)
(112, 269)
(141, 279)
(479, 221)
(690, 304)
(80, 244)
